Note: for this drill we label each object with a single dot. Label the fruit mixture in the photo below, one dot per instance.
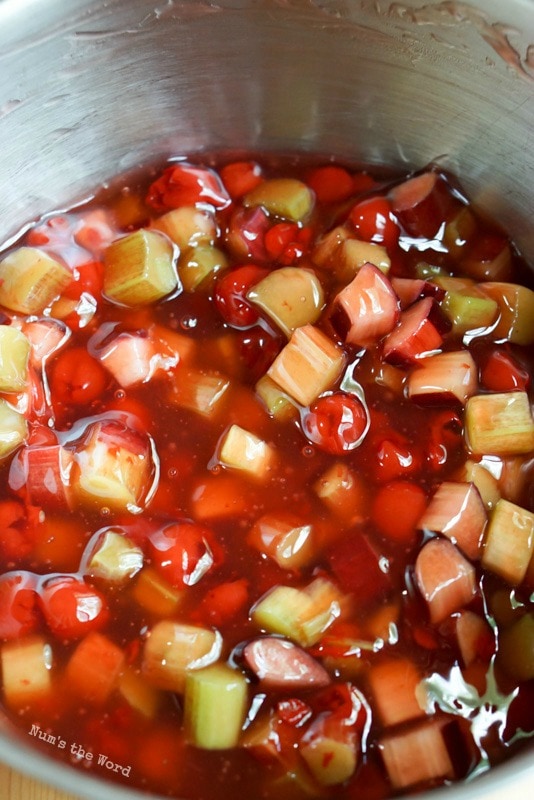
(266, 460)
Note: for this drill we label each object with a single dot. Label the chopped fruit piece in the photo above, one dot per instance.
(217, 497)
(398, 690)
(343, 492)
(330, 759)
(418, 333)
(353, 254)
(459, 232)
(284, 197)
(499, 424)
(486, 483)
(14, 355)
(139, 269)
(443, 376)
(284, 538)
(445, 578)
(240, 449)
(231, 295)
(366, 309)
(300, 614)
(475, 637)
(214, 695)
(46, 336)
(516, 311)
(489, 259)
(245, 237)
(509, 541)
(30, 280)
(172, 649)
(283, 665)
(468, 311)
(45, 470)
(277, 402)
(199, 264)
(502, 373)
(155, 594)
(456, 510)
(331, 183)
(326, 251)
(336, 423)
(134, 358)
(139, 694)
(220, 605)
(187, 226)
(416, 755)
(240, 177)
(113, 466)
(290, 296)
(26, 671)
(422, 204)
(409, 290)
(112, 557)
(200, 391)
(308, 365)
(93, 670)
(13, 429)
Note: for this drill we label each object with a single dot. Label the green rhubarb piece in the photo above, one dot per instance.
(509, 541)
(115, 558)
(139, 269)
(516, 649)
(290, 296)
(284, 197)
(215, 705)
(499, 424)
(469, 312)
(516, 311)
(14, 355)
(13, 429)
(30, 280)
(198, 264)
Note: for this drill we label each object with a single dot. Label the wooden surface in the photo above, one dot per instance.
(18, 787)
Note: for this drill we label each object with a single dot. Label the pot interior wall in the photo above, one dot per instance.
(96, 88)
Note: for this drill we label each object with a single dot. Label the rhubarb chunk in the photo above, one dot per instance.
(94, 668)
(280, 664)
(284, 538)
(290, 296)
(242, 450)
(450, 376)
(308, 365)
(418, 333)
(509, 542)
(26, 671)
(456, 510)
(13, 429)
(139, 269)
(516, 311)
(112, 557)
(416, 755)
(30, 280)
(367, 308)
(172, 649)
(187, 226)
(499, 424)
(14, 356)
(215, 706)
(398, 690)
(283, 197)
(445, 578)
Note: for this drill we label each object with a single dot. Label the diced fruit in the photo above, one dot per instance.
(367, 308)
(217, 497)
(215, 704)
(240, 177)
(409, 290)
(243, 450)
(26, 671)
(187, 226)
(197, 265)
(516, 311)
(456, 510)
(14, 355)
(398, 690)
(231, 295)
(13, 429)
(475, 637)
(445, 578)
(112, 557)
(331, 760)
(94, 668)
(133, 358)
(284, 197)
(277, 402)
(139, 269)
(343, 491)
(501, 372)
(290, 296)
(185, 185)
(139, 694)
(113, 466)
(395, 495)
(331, 183)
(300, 614)
(418, 333)
(200, 391)
(509, 541)
(45, 472)
(353, 254)
(489, 259)
(284, 538)
(374, 221)
(155, 594)
(283, 665)
(468, 311)
(308, 365)
(443, 376)
(499, 424)
(486, 483)
(46, 336)
(416, 755)
(30, 280)
(172, 649)
(71, 607)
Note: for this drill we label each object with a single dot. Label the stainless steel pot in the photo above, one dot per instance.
(90, 88)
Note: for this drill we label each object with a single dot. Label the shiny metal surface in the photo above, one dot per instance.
(90, 88)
